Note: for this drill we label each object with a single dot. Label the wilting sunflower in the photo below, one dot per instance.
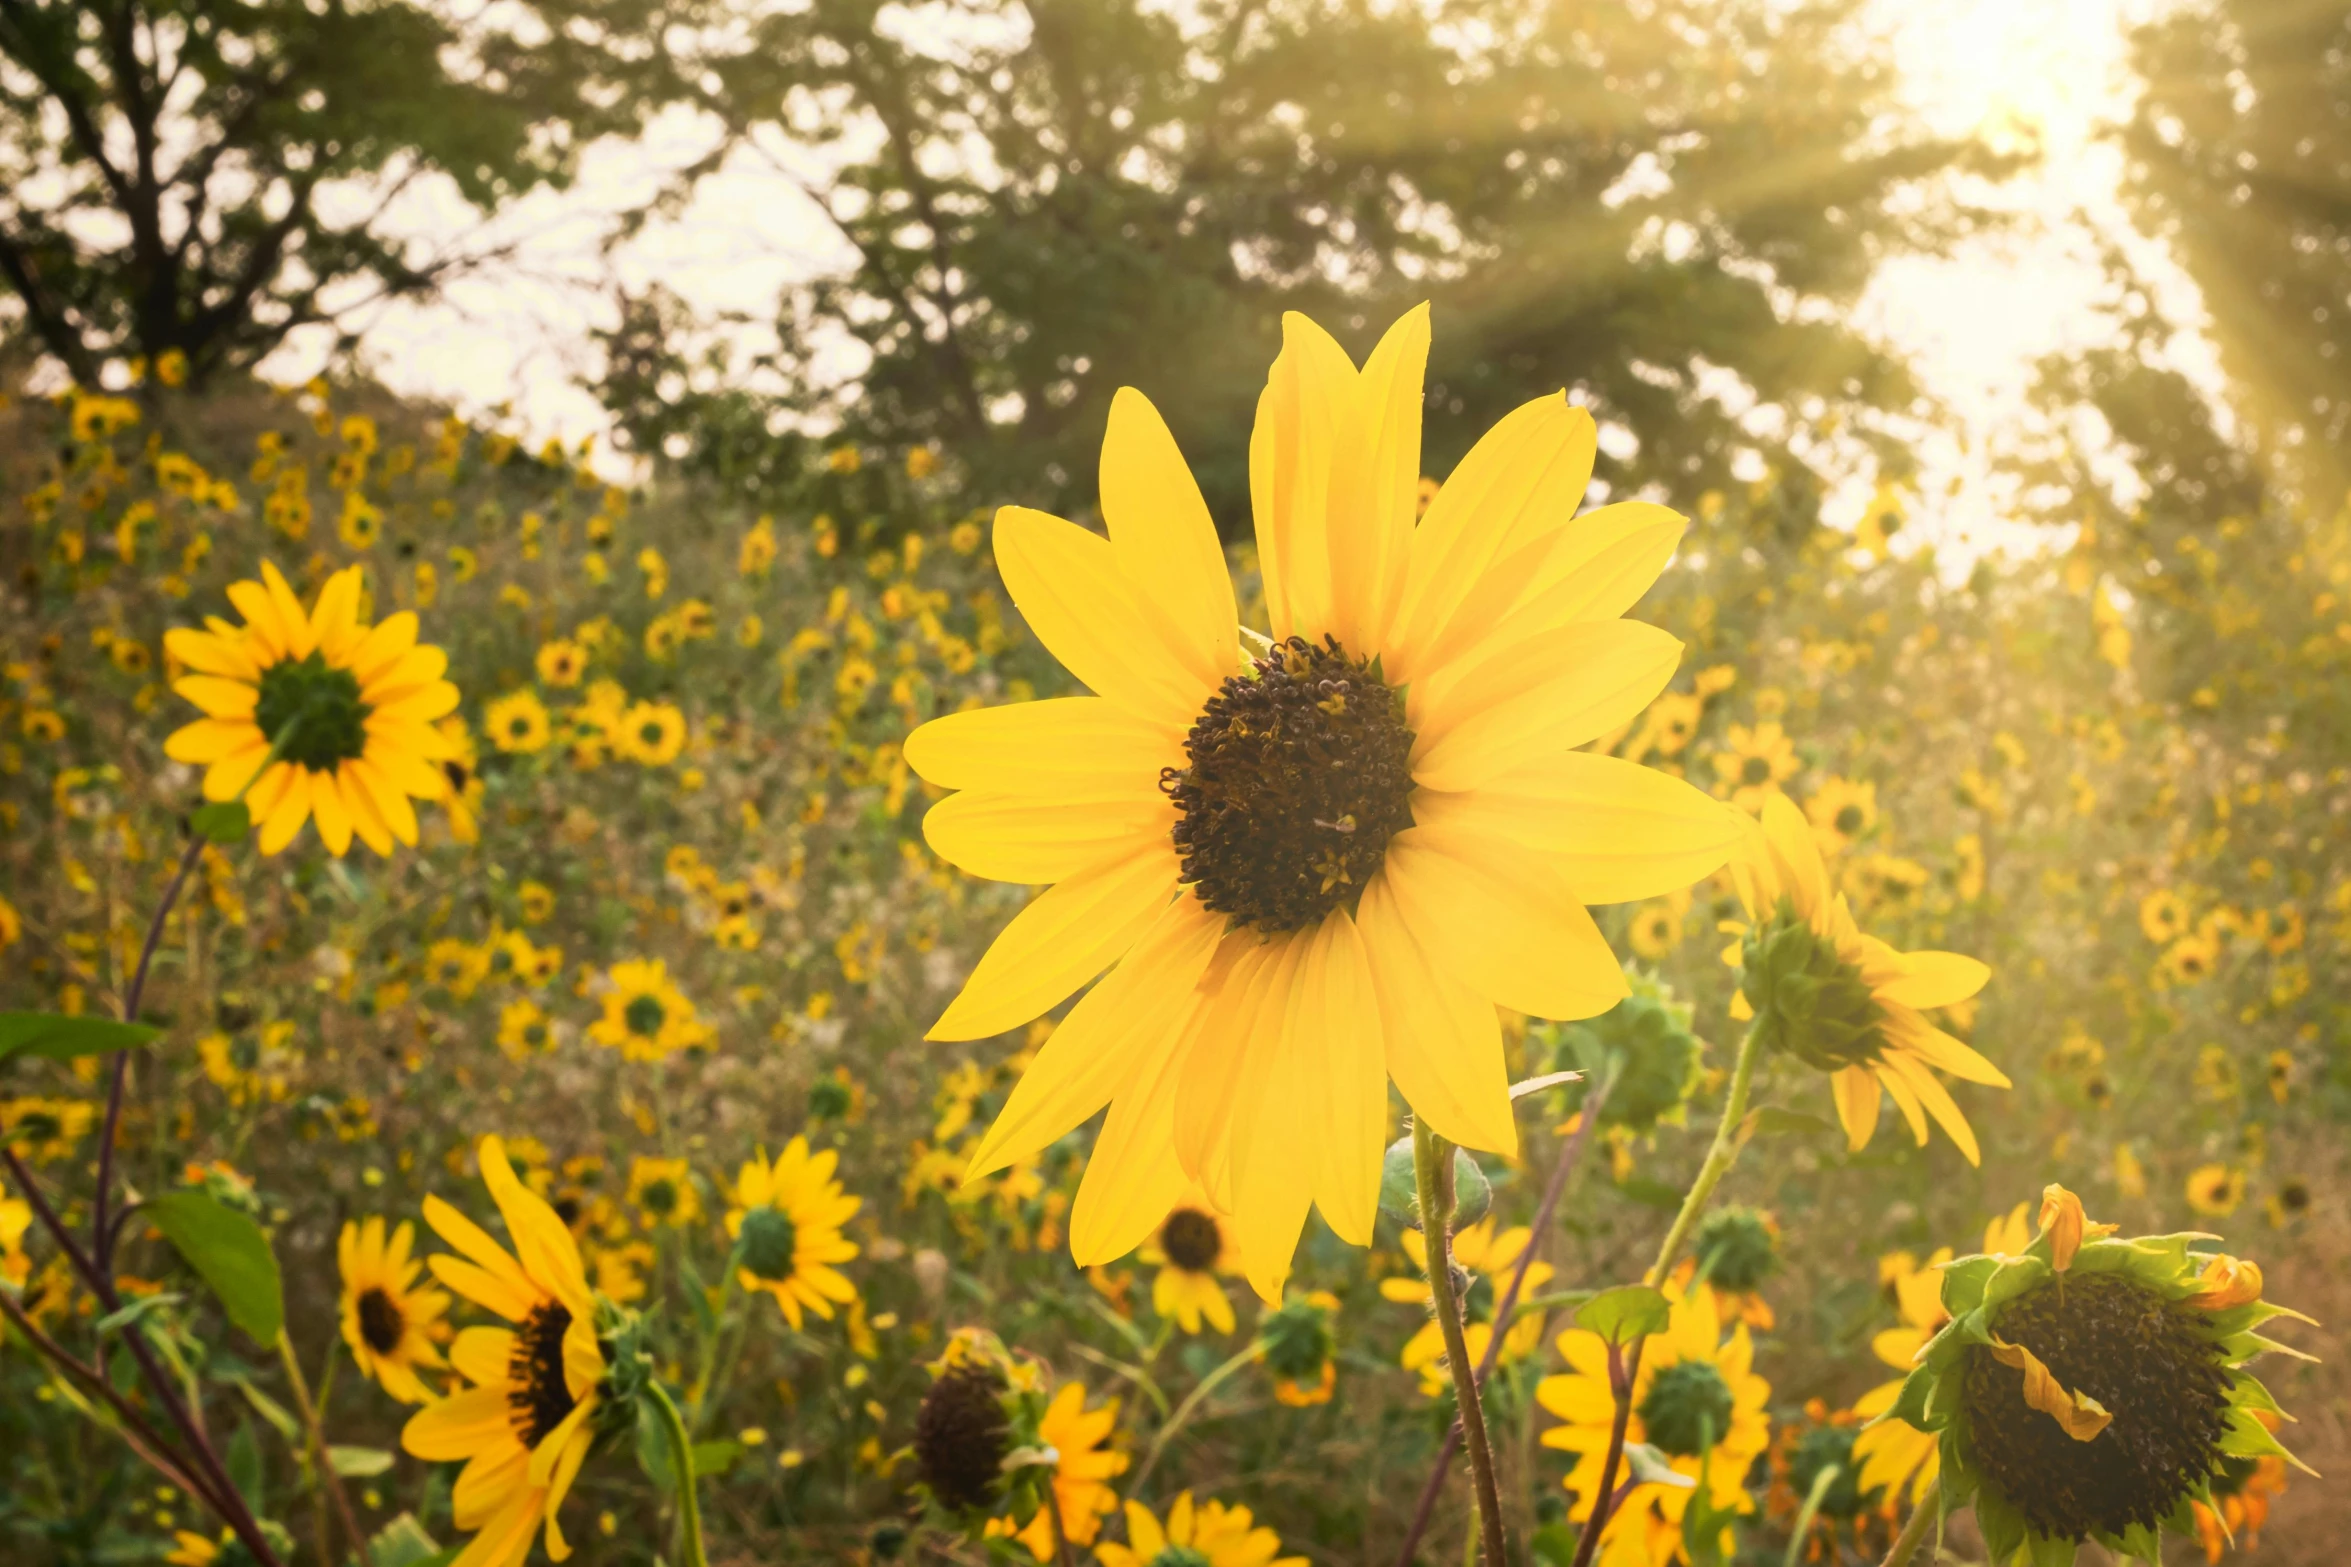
(1488, 1258)
(787, 1230)
(1697, 1400)
(2092, 1388)
(1192, 1246)
(1207, 1535)
(1079, 1477)
(1845, 1002)
(1893, 1453)
(524, 1427)
(1325, 862)
(387, 1321)
(646, 1017)
(348, 708)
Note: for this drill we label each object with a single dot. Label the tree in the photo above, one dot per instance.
(2241, 161)
(1050, 199)
(165, 162)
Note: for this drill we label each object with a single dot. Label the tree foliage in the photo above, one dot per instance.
(208, 175)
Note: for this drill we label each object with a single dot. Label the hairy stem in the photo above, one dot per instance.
(329, 1481)
(1623, 1372)
(101, 1233)
(1915, 1530)
(1432, 1161)
(1719, 1157)
(681, 1451)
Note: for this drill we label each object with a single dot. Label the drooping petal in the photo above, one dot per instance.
(1857, 1094)
(1557, 691)
(1375, 486)
(1073, 747)
(1511, 930)
(1164, 538)
(1616, 831)
(1934, 979)
(1068, 586)
(1068, 934)
(1938, 1101)
(1938, 1049)
(1443, 1040)
(1120, 1026)
(1025, 839)
(1291, 449)
(543, 1244)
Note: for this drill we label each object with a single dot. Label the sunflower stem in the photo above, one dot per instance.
(330, 1483)
(1719, 1157)
(1192, 1401)
(1809, 1511)
(1906, 1543)
(1432, 1163)
(681, 1451)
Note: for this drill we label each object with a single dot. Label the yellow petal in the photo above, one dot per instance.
(1910, 1031)
(1118, 1027)
(2081, 1416)
(1443, 1039)
(1337, 1040)
(1938, 1101)
(1026, 839)
(1617, 832)
(219, 698)
(1069, 588)
(334, 619)
(482, 1355)
(1511, 930)
(1273, 1167)
(1600, 566)
(1858, 1096)
(542, 1243)
(1073, 747)
(208, 740)
(1934, 979)
(290, 810)
(1133, 1176)
(1545, 696)
(210, 654)
(1165, 541)
(459, 1426)
(1295, 440)
(1067, 935)
(1521, 482)
(292, 622)
(334, 818)
(1375, 486)
(384, 646)
(2225, 1283)
(1795, 856)
(1209, 1073)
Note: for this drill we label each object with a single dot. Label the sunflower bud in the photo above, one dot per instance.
(1808, 1002)
(1644, 1043)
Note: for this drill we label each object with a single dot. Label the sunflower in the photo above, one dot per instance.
(463, 773)
(1697, 1400)
(561, 662)
(2215, 1190)
(16, 1217)
(786, 1225)
(650, 734)
(1325, 864)
(517, 722)
(1080, 1470)
(1841, 810)
(1207, 1535)
(1300, 1342)
(1193, 1245)
(2163, 916)
(1655, 931)
(524, 1427)
(2189, 960)
(387, 1321)
(346, 709)
(1846, 1002)
(1754, 764)
(2093, 1387)
(1736, 1249)
(523, 1029)
(1488, 1258)
(646, 1017)
(663, 1192)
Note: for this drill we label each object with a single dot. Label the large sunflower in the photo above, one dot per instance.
(348, 708)
(1846, 1002)
(787, 1230)
(1697, 1400)
(524, 1427)
(387, 1321)
(1210, 1534)
(1324, 863)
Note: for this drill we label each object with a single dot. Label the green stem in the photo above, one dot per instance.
(1809, 1511)
(681, 1451)
(698, 1398)
(329, 1481)
(1192, 1401)
(1719, 1157)
(1432, 1163)
(1916, 1529)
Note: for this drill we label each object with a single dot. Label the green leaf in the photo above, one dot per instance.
(404, 1543)
(653, 1448)
(229, 1252)
(116, 1321)
(712, 1459)
(1650, 1466)
(243, 1461)
(1626, 1313)
(358, 1463)
(56, 1038)
(1779, 1121)
(223, 821)
(270, 1410)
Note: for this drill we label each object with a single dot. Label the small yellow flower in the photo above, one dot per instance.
(786, 1224)
(561, 662)
(388, 1322)
(2215, 1190)
(517, 722)
(663, 1190)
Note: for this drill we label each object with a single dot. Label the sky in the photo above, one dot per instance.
(516, 336)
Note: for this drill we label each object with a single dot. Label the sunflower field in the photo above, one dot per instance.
(541, 1018)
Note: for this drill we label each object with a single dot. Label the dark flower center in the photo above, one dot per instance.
(1300, 773)
(660, 1197)
(961, 1436)
(1688, 1409)
(828, 1099)
(1849, 820)
(1755, 769)
(770, 1241)
(312, 713)
(538, 1395)
(381, 1324)
(2148, 1360)
(645, 1015)
(1191, 1240)
(1180, 1556)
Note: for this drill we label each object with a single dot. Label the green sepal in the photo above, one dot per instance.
(1959, 1483)
(2252, 1346)
(2241, 1319)
(2141, 1541)
(2002, 1525)
(1910, 1405)
(2044, 1550)
(2012, 1278)
(2246, 1392)
(2247, 1437)
(223, 821)
(1963, 1282)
